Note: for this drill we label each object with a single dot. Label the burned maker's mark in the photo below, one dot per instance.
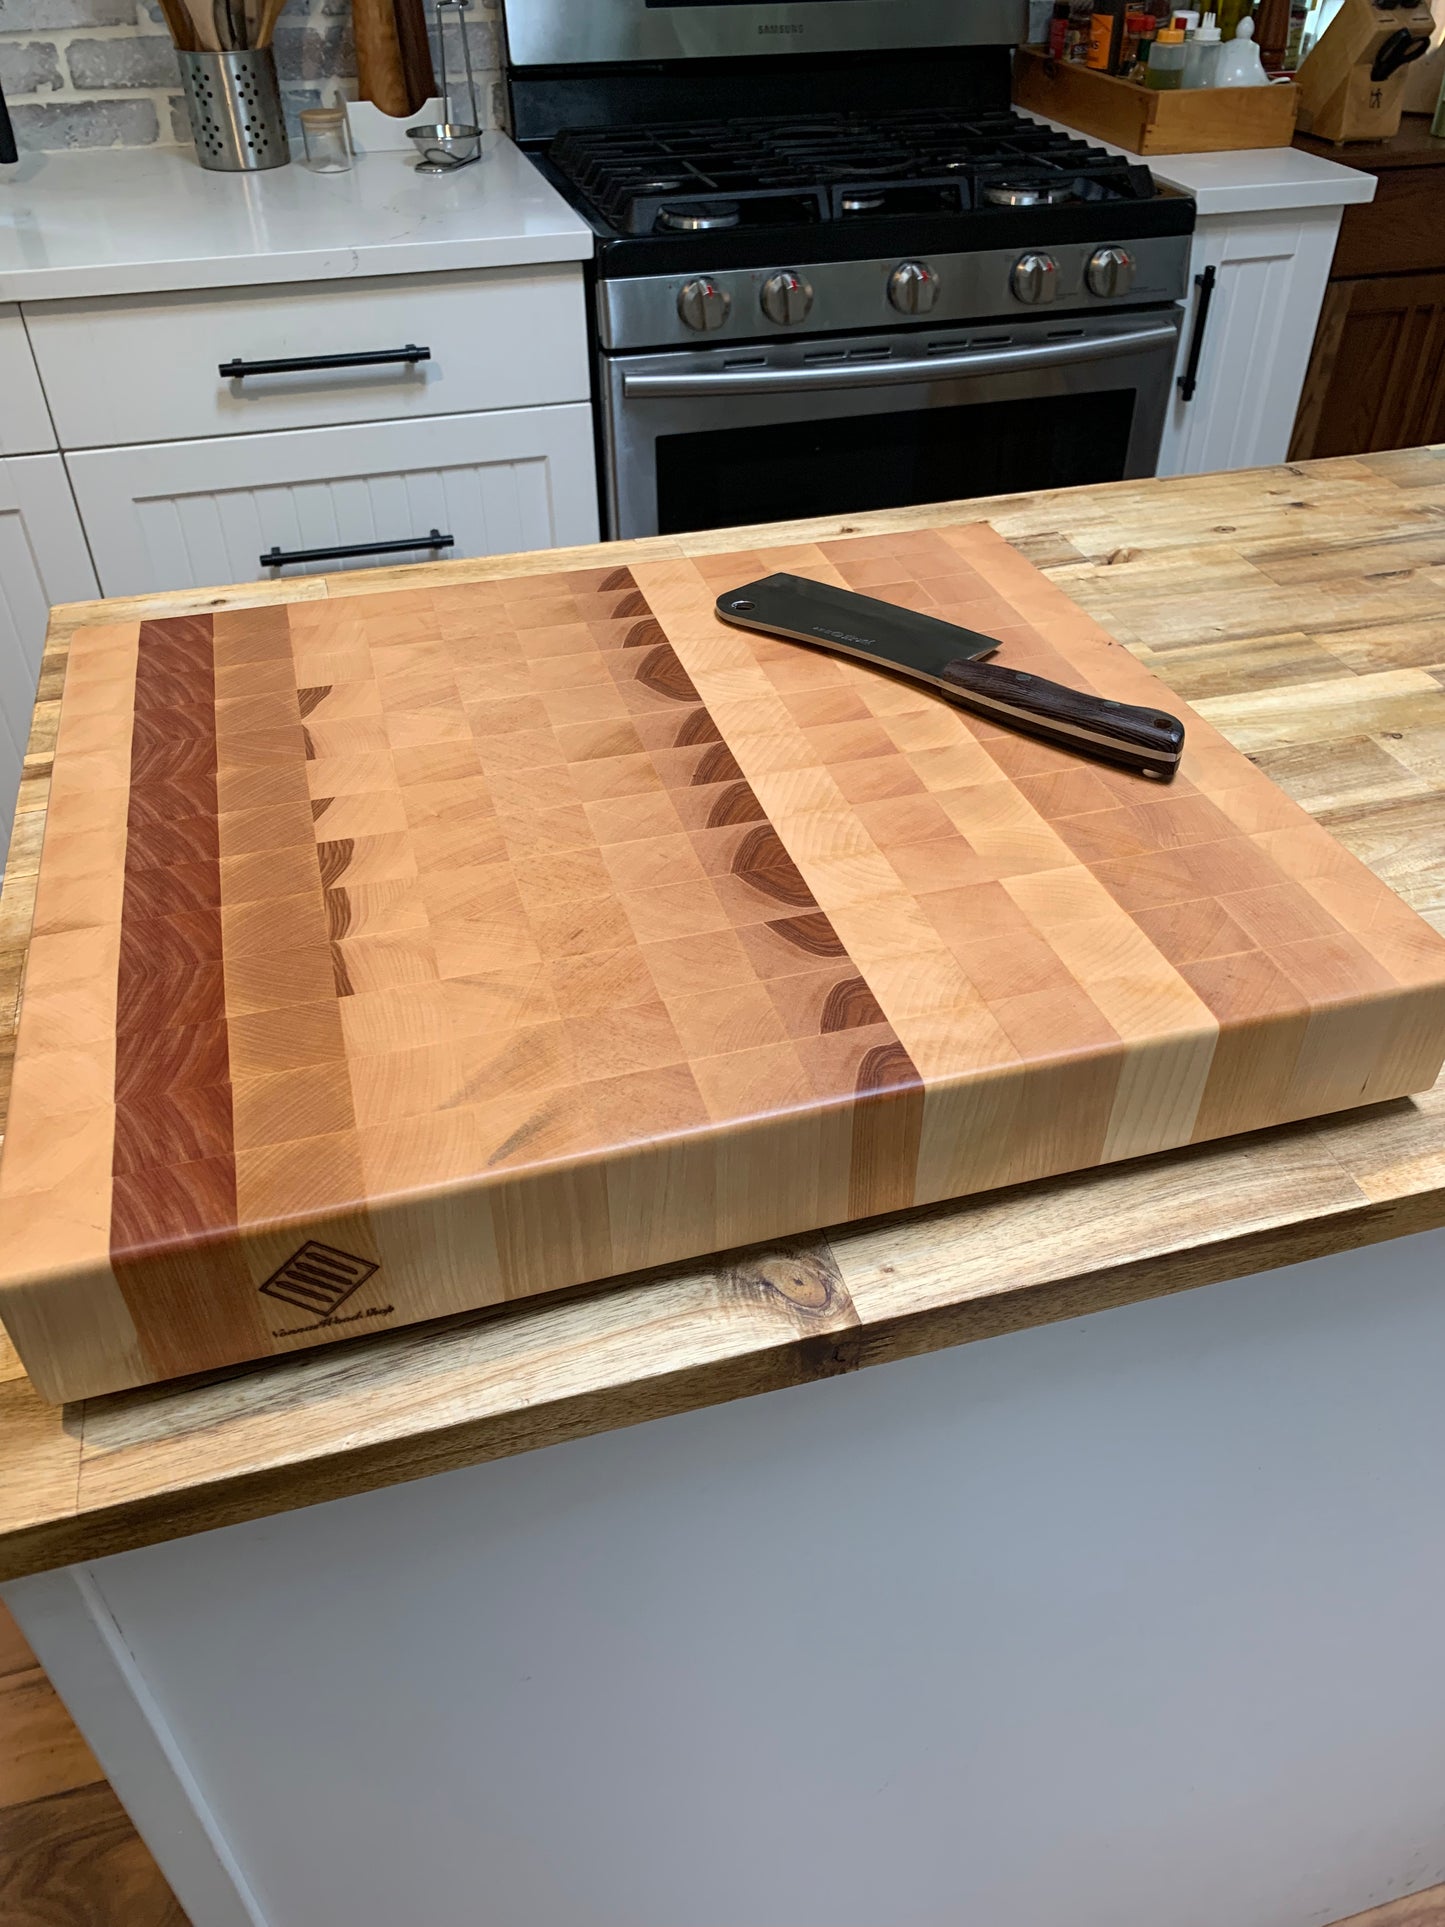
(318, 1278)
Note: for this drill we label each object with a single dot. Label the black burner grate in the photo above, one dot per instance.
(833, 167)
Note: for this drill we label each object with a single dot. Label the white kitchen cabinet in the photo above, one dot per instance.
(147, 368)
(25, 426)
(43, 560)
(1270, 272)
(181, 515)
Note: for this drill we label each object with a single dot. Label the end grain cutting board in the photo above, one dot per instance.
(402, 953)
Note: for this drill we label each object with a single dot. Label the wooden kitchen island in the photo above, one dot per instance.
(1131, 1618)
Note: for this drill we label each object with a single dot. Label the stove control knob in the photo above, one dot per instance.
(703, 305)
(1035, 277)
(1110, 271)
(913, 287)
(786, 298)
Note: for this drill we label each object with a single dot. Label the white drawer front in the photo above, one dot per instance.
(24, 419)
(184, 515)
(146, 368)
(43, 560)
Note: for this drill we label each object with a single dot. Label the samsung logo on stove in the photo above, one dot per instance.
(781, 27)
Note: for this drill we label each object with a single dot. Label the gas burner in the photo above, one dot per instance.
(1029, 194)
(700, 217)
(694, 177)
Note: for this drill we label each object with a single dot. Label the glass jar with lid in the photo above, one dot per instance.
(327, 135)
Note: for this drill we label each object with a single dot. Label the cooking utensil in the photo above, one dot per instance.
(415, 52)
(231, 26)
(444, 146)
(203, 25)
(178, 21)
(1398, 51)
(382, 75)
(268, 13)
(946, 657)
(448, 144)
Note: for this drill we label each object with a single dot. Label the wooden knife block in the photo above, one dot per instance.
(1338, 99)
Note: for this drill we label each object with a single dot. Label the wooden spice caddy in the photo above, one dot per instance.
(1202, 120)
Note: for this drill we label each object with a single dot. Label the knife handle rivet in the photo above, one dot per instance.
(741, 602)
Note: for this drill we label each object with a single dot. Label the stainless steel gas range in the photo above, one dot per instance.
(846, 275)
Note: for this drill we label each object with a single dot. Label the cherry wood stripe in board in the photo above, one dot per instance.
(174, 1173)
(172, 1091)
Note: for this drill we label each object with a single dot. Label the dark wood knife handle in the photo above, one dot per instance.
(1142, 739)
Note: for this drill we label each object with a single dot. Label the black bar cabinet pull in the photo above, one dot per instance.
(1189, 380)
(302, 364)
(8, 153)
(278, 558)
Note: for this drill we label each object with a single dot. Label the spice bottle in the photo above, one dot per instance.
(1271, 31)
(1201, 54)
(1105, 32)
(1140, 27)
(1080, 29)
(1166, 59)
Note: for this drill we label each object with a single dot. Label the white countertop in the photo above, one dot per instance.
(1257, 180)
(140, 221)
(145, 220)
(1251, 180)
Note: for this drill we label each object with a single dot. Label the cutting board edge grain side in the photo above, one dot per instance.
(435, 1249)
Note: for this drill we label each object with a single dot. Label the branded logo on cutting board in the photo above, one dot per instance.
(318, 1278)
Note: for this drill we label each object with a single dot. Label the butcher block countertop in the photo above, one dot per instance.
(1300, 610)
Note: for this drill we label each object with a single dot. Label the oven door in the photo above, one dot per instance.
(707, 438)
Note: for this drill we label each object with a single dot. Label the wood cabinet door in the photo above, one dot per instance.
(1377, 377)
(1401, 230)
(190, 515)
(43, 560)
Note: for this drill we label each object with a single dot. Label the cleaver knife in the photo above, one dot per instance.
(946, 657)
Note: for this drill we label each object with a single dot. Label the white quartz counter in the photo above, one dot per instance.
(147, 220)
(1259, 180)
(1251, 180)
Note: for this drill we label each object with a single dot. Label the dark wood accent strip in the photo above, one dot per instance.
(174, 1175)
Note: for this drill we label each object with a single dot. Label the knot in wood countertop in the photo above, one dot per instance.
(1302, 611)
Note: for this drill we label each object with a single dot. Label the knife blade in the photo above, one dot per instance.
(947, 658)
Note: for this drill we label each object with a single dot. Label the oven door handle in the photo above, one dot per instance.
(875, 374)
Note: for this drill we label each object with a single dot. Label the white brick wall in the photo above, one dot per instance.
(102, 73)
